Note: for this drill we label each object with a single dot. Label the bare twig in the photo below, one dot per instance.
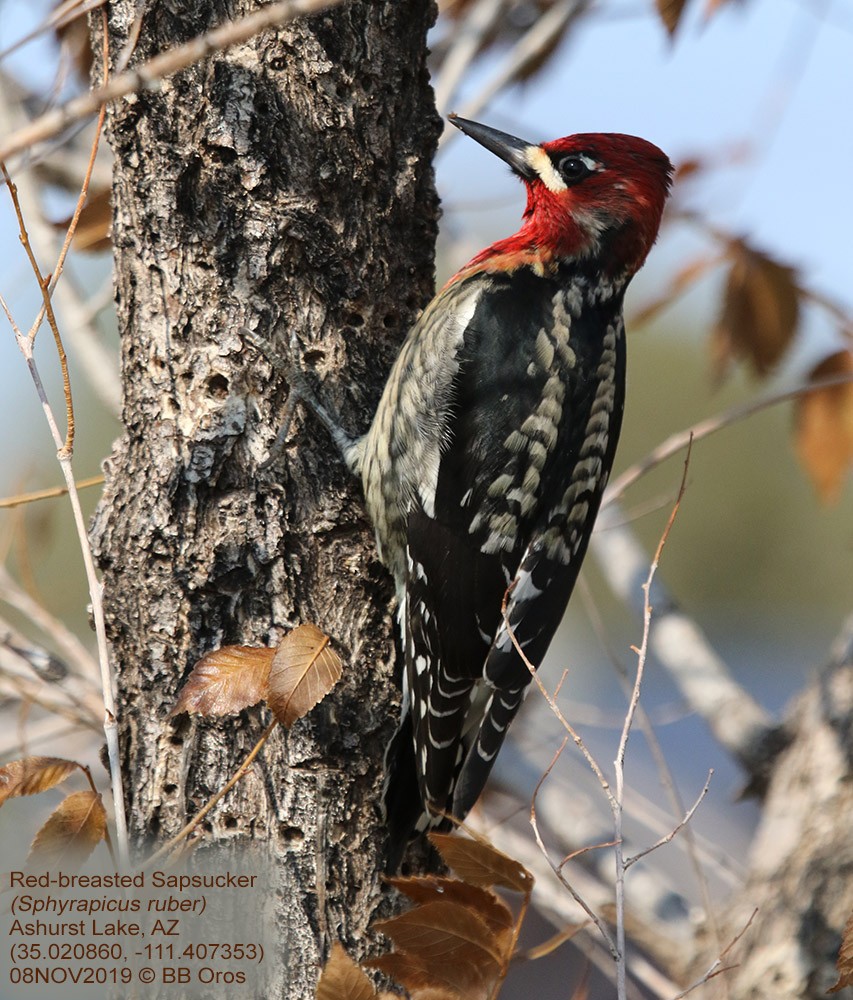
(95, 360)
(705, 428)
(618, 800)
(61, 15)
(683, 822)
(555, 708)
(78, 658)
(741, 725)
(691, 840)
(66, 448)
(48, 493)
(155, 70)
(73, 709)
(717, 967)
(540, 36)
(468, 36)
(558, 869)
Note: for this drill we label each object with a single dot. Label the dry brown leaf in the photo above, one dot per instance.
(845, 959)
(493, 910)
(303, 672)
(93, 227)
(760, 311)
(481, 864)
(31, 775)
(670, 12)
(440, 980)
(824, 428)
(71, 833)
(225, 681)
(688, 167)
(342, 979)
(445, 932)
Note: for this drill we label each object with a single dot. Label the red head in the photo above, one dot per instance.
(597, 196)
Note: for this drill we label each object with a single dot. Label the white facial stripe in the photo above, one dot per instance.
(541, 163)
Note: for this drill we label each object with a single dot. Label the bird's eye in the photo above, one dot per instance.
(573, 169)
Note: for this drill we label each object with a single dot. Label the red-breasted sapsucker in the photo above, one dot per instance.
(484, 466)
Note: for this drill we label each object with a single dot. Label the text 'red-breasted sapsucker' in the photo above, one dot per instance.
(484, 466)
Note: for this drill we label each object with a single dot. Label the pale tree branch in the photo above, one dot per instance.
(479, 20)
(541, 35)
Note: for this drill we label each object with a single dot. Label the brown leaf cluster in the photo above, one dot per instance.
(824, 427)
(760, 311)
(291, 679)
(74, 828)
(456, 942)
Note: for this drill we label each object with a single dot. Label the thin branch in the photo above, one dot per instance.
(717, 967)
(31, 691)
(77, 656)
(555, 708)
(692, 845)
(64, 451)
(66, 447)
(150, 74)
(48, 493)
(558, 869)
(705, 428)
(742, 726)
(540, 36)
(468, 37)
(618, 800)
(61, 15)
(78, 319)
(683, 822)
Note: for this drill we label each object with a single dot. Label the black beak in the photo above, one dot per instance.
(511, 150)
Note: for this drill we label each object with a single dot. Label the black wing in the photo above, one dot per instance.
(537, 410)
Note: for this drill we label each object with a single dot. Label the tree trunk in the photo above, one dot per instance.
(281, 187)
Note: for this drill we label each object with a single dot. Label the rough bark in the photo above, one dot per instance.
(284, 186)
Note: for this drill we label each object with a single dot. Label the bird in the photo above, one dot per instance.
(485, 463)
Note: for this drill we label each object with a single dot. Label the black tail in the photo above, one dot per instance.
(401, 798)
